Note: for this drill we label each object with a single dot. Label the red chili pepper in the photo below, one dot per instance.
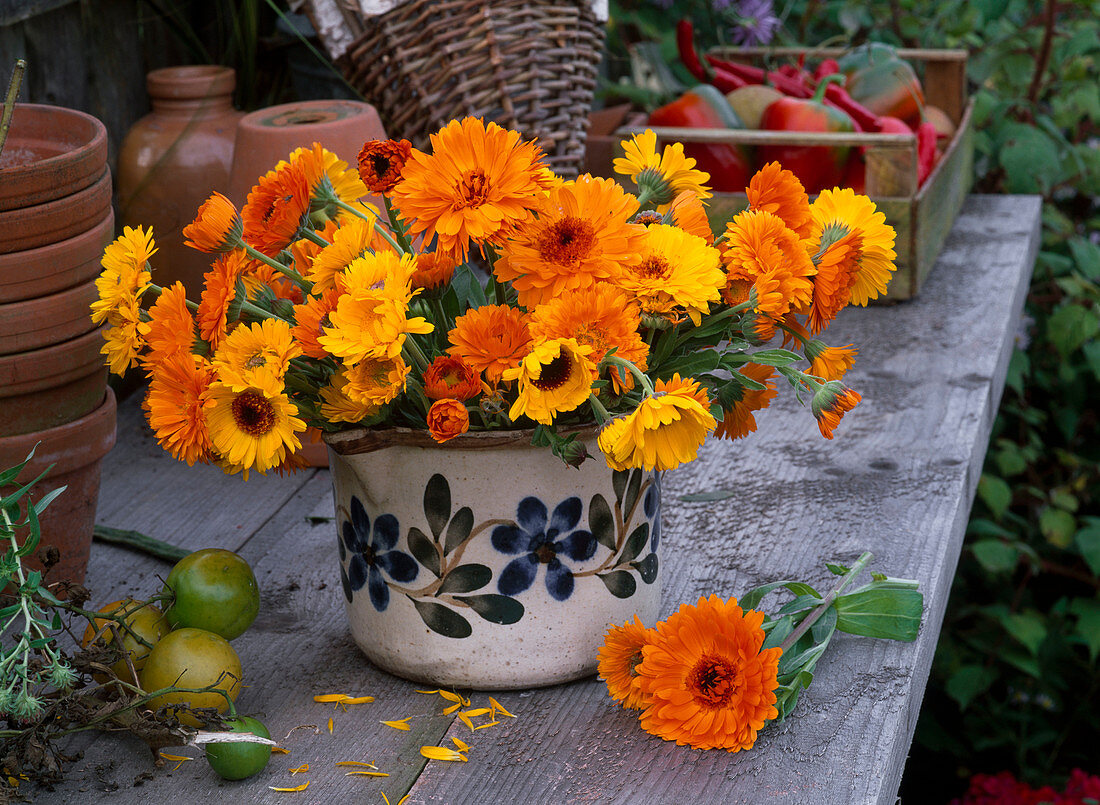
(755, 75)
(818, 167)
(926, 151)
(863, 118)
(685, 44)
(827, 67)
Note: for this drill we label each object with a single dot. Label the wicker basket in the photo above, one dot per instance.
(529, 65)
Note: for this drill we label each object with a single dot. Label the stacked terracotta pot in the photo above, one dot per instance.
(55, 220)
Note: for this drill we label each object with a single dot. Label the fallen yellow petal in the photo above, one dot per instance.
(462, 745)
(400, 724)
(329, 698)
(300, 769)
(301, 787)
(358, 700)
(278, 750)
(479, 711)
(387, 798)
(13, 782)
(430, 693)
(403, 799)
(451, 709)
(452, 697)
(356, 763)
(367, 774)
(167, 756)
(441, 753)
(465, 719)
(487, 724)
(330, 726)
(498, 707)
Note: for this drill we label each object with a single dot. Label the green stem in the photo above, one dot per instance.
(139, 542)
(639, 375)
(396, 226)
(313, 237)
(602, 415)
(286, 271)
(826, 602)
(379, 229)
(419, 359)
(9, 103)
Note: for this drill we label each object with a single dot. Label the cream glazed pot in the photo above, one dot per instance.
(486, 562)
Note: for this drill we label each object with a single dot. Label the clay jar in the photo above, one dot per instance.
(174, 158)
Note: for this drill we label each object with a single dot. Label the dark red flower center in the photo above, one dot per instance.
(713, 681)
(554, 374)
(472, 190)
(253, 413)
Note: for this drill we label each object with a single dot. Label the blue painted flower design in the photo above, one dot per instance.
(543, 540)
(652, 507)
(371, 553)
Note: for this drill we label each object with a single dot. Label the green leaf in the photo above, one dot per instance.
(775, 357)
(798, 604)
(468, 288)
(1070, 326)
(752, 598)
(969, 681)
(995, 556)
(1057, 526)
(494, 608)
(835, 569)
(823, 628)
(601, 522)
(647, 568)
(1087, 630)
(995, 493)
(458, 530)
(1029, 628)
(1088, 543)
(1086, 254)
(1030, 158)
(889, 614)
(9, 475)
(441, 619)
(423, 550)
(465, 579)
(620, 583)
(437, 504)
(703, 497)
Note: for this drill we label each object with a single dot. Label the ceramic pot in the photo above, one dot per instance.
(47, 387)
(51, 152)
(59, 219)
(486, 562)
(75, 450)
(32, 324)
(268, 135)
(56, 266)
(173, 158)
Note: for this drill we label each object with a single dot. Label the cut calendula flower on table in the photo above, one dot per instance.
(499, 708)
(294, 790)
(441, 753)
(399, 724)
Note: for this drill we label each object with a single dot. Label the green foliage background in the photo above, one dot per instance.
(1015, 684)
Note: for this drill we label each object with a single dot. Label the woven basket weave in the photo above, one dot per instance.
(529, 65)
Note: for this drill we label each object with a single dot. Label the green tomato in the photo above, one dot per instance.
(215, 590)
(236, 761)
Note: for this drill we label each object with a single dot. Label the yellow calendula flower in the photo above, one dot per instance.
(556, 376)
(664, 431)
(252, 428)
(678, 273)
(839, 212)
(125, 275)
(124, 336)
(338, 406)
(256, 354)
(319, 165)
(375, 381)
(351, 241)
(660, 177)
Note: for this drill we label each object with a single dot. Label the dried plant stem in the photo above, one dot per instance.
(9, 103)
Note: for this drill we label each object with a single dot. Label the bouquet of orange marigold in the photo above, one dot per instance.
(484, 292)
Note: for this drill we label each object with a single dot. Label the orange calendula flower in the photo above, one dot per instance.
(555, 377)
(326, 174)
(830, 403)
(252, 429)
(838, 212)
(491, 338)
(451, 377)
(710, 683)
(678, 273)
(619, 657)
(376, 381)
(276, 209)
(837, 274)
(660, 177)
(381, 163)
(690, 214)
(830, 363)
(582, 236)
(447, 419)
(664, 431)
(217, 226)
(738, 421)
(256, 354)
(761, 253)
(171, 326)
(778, 191)
(602, 318)
(219, 291)
(478, 182)
(175, 402)
(312, 318)
(433, 270)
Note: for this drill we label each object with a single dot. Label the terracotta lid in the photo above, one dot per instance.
(56, 266)
(50, 152)
(66, 447)
(191, 82)
(36, 323)
(59, 219)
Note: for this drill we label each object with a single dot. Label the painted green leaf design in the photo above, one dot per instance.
(441, 619)
(618, 483)
(647, 568)
(632, 490)
(601, 522)
(465, 578)
(634, 543)
(619, 583)
(458, 531)
(423, 550)
(495, 608)
(437, 504)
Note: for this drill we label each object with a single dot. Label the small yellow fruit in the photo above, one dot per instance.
(750, 102)
(144, 620)
(192, 658)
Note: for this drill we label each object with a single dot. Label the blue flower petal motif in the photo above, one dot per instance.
(543, 540)
(652, 507)
(371, 553)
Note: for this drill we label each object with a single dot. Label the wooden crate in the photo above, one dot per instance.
(922, 216)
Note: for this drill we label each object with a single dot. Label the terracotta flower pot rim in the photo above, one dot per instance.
(42, 270)
(190, 82)
(59, 219)
(63, 446)
(61, 174)
(365, 440)
(32, 324)
(38, 369)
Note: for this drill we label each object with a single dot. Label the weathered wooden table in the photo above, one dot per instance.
(898, 480)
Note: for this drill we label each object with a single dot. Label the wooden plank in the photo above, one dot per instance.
(898, 480)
